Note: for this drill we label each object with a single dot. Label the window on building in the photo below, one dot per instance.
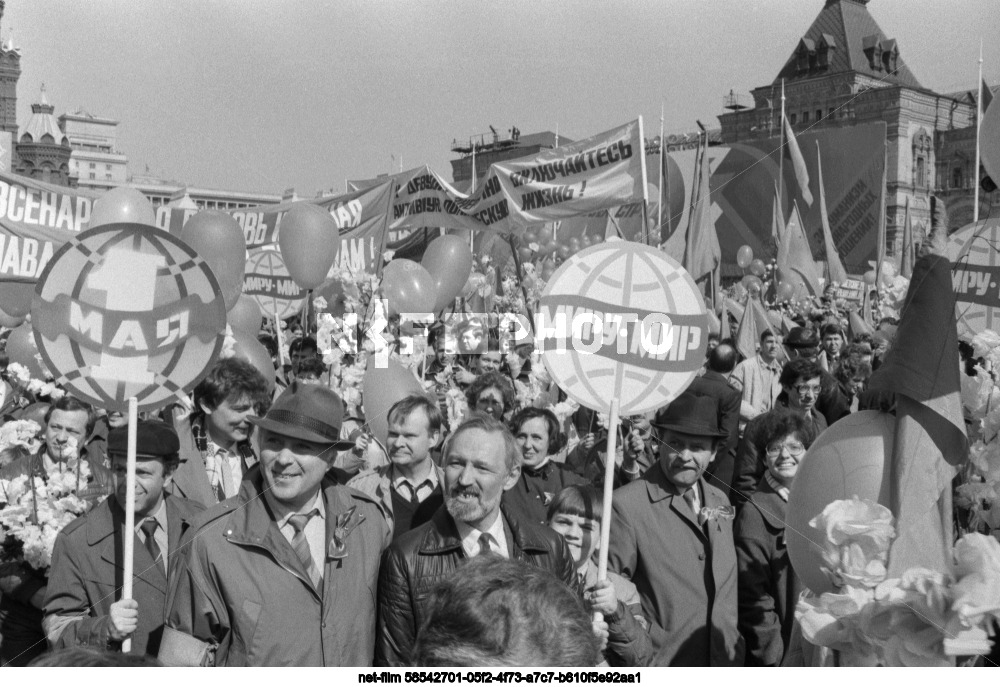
(92, 165)
(805, 117)
(920, 175)
(819, 115)
(831, 112)
(792, 118)
(93, 176)
(108, 177)
(956, 178)
(107, 167)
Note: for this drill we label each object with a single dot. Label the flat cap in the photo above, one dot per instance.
(153, 439)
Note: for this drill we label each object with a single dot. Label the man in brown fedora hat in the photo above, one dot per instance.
(285, 572)
(672, 535)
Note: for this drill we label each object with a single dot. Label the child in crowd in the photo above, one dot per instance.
(576, 513)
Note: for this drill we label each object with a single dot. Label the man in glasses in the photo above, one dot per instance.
(801, 387)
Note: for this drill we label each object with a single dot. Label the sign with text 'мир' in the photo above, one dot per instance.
(622, 320)
(128, 310)
(267, 281)
(975, 276)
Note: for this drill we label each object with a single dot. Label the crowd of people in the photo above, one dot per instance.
(273, 527)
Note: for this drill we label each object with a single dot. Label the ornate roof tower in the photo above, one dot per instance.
(10, 72)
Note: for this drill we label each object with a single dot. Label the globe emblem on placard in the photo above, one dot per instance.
(268, 281)
(976, 276)
(128, 310)
(620, 286)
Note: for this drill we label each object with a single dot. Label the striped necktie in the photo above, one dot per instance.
(301, 545)
(148, 527)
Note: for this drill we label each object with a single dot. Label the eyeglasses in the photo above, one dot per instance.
(794, 448)
(804, 389)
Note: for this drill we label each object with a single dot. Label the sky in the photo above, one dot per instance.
(265, 96)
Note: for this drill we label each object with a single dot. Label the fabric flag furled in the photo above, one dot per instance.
(753, 323)
(702, 253)
(922, 370)
(908, 254)
(798, 162)
(989, 139)
(834, 267)
(795, 259)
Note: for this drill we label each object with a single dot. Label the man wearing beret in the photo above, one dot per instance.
(285, 572)
(83, 604)
(672, 536)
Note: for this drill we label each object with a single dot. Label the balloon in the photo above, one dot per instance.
(752, 282)
(869, 277)
(408, 287)
(785, 291)
(744, 256)
(15, 298)
(250, 349)
(9, 321)
(309, 240)
(574, 244)
(529, 236)
(122, 204)
(218, 239)
(757, 267)
(382, 387)
(21, 349)
(524, 253)
(448, 259)
(585, 241)
(597, 238)
(245, 316)
(563, 252)
(847, 460)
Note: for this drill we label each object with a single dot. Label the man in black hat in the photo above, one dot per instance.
(672, 535)
(285, 572)
(84, 604)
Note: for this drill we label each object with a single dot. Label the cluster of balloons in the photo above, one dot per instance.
(549, 247)
(432, 284)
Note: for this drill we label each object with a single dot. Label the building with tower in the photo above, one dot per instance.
(845, 71)
(43, 151)
(10, 72)
(96, 161)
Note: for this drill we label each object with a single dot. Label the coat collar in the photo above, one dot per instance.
(659, 488)
(771, 506)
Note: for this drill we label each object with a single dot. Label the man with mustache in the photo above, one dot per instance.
(481, 461)
(284, 573)
(672, 536)
(409, 488)
(216, 452)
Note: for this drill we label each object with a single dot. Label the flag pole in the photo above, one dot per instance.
(979, 116)
(659, 197)
(781, 155)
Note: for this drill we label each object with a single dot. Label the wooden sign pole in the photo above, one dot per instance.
(128, 537)
(609, 483)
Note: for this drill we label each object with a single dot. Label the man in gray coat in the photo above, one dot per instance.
(672, 536)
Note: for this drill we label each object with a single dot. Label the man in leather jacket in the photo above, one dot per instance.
(481, 461)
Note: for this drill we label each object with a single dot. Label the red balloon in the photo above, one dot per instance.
(245, 316)
(122, 204)
(218, 239)
(408, 287)
(785, 291)
(381, 388)
(9, 321)
(757, 267)
(563, 252)
(309, 240)
(250, 349)
(752, 282)
(332, 291)
(529, 236)
(448, 259)
(524, 253)
(21, 349)
(869, 277)
(15, 298)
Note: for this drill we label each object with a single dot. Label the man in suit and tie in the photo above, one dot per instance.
(672, 536)
(83, 604)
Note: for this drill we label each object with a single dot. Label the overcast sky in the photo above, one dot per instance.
(263, 96)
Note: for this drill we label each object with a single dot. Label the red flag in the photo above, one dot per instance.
(798, 162)
(777, 220)
(753, 323)
(989, 140)
(702, 253)
(922, 369)
(908, 254)
(835, 268)
(795, 259)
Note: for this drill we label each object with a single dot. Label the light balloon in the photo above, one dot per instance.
(785, 291)
(757, 267)
(309, 240)
(15, 298)
(250, 349)
(245, 316)
(122, 204)
(869, 277)
(382, 387)
(218, 239)
(744, 256)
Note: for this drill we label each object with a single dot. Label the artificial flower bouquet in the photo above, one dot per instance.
(922, 618)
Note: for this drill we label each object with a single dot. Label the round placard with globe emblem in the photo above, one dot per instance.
(268, 281)
(622, 320)
(975, 276)
(128, 310)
